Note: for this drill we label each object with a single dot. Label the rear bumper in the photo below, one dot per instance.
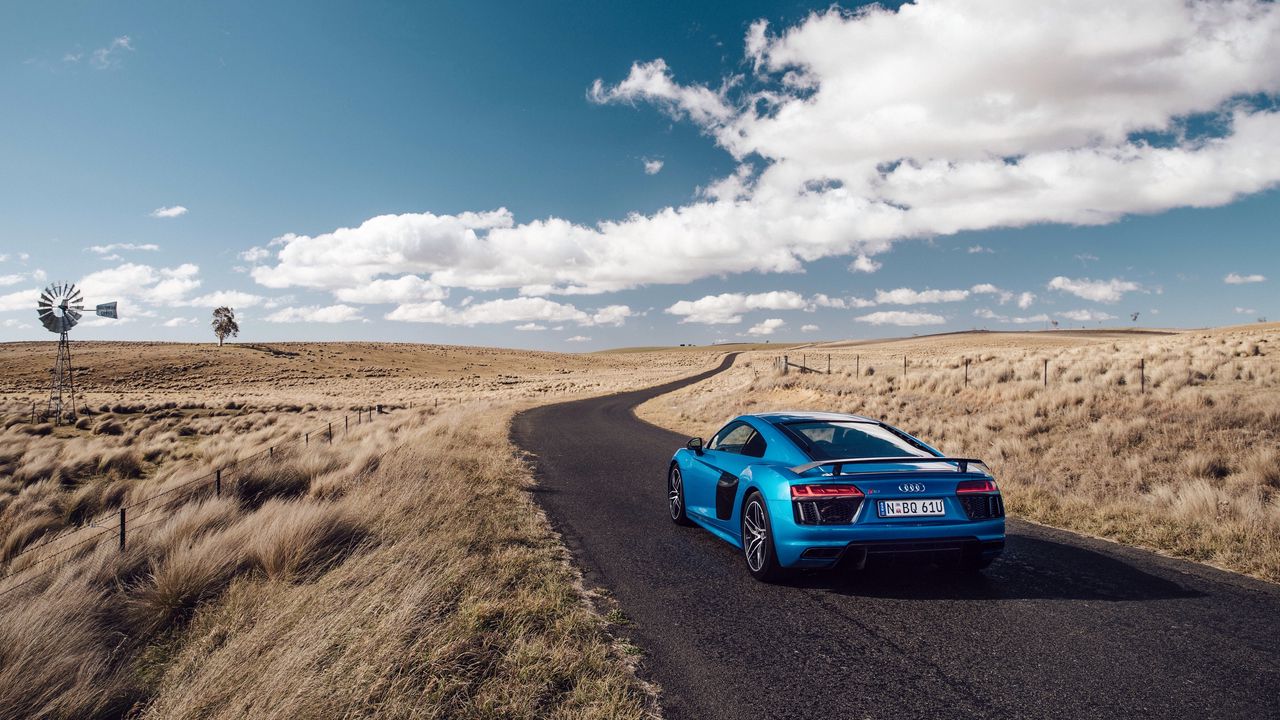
(825, 546)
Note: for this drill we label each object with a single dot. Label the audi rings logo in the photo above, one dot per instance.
(911, 487)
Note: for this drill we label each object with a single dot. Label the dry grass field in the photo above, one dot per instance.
(1190, 467)
(401, 571)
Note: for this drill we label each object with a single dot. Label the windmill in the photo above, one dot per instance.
(60, 307)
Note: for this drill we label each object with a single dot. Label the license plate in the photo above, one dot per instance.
(910, 508)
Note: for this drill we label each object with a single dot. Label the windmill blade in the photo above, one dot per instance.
(74, 315)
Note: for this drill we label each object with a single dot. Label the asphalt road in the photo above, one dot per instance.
(1061, 626)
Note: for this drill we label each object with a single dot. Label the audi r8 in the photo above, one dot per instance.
(813, 490)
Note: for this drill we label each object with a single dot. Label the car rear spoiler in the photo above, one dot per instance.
(962, 464)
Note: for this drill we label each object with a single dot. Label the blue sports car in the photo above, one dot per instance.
(810, 490)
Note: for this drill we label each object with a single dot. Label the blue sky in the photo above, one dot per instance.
(600, 175)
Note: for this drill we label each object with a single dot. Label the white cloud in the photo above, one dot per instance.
(136, 286)
(809, 328)
(766, 327)
(228, 298)
(727, 308)
(404, 289)
(254, 254)
(900, 317)
(614, 315)
(493, 312)
(20, 300)
(652, 167)
(15, 324)
(907, 296)
(1026, 300)
(1017, 114)
(578, 339)
(1086, 315)
(975, 249)
(988, 314)
(988, 289)
(15, 278)
(180, 322)
(1246, 311)
(530, 327)
(106, 57)
(1107, 291)
(169, 212)
(115, 247)
(864, 264)
(1236, 279)
(315, 314)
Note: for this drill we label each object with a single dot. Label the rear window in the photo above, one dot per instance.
(825, 440)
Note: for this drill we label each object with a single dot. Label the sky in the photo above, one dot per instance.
(583, 175)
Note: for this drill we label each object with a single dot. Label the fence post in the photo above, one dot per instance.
(217, 483)
(1046, 372)
(346, 424)
(904, 365)
(379, 408)
(857, 364)
(828, 363)
(306, 439)
(966, 372)
(271, 451)
(330, 433)
(121, 529)
(1142, 373)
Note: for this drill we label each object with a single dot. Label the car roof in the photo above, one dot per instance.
(783, 417)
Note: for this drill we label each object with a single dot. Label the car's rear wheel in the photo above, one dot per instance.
(675, 496)
(757, 540)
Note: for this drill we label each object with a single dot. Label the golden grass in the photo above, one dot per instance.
(402, 571)
(1190, 467)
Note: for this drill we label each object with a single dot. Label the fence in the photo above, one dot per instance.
(784, 364)
(121, 522)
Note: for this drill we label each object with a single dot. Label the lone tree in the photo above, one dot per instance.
(224, 324)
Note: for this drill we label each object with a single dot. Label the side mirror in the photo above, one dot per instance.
(695, 444)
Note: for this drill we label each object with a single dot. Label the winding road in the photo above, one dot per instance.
(1061, 626)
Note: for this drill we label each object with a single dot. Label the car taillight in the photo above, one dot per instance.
(823, 492)
(976, 486)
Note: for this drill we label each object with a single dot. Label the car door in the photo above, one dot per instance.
(740, 447)
(705, 470)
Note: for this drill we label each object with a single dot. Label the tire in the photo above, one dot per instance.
(757, 540)
(675, 496)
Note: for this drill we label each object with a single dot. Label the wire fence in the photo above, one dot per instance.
(122, 521)
(822, 366)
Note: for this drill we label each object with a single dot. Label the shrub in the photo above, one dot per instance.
(108, 426)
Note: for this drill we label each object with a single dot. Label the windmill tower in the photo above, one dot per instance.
(59, 308)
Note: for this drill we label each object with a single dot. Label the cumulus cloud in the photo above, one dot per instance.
(901, 317)
(254, 254)
(988, 314)
(136, 286)
(809, 328)
(727, 308)
(315, 314)
(169, 212)
(864, 264)
(652, 167)
(578, 339)
(1026, 300)
(1004, 296)
(20, 300)
(407, 288)
(1245, 311)
(1237, 279)
(976, 249)
(1106, 291)
(493, 312)
(180, 322)
(907, 296)
(530, 327)
(1026, 114)
(227, 298)
(1086, 315)
(117, 247)
(766, 327)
